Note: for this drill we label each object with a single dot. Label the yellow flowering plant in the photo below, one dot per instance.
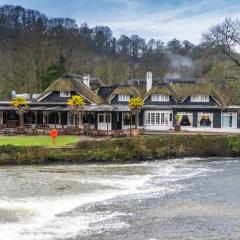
(76, 102)
(135, 105)
(20, 103)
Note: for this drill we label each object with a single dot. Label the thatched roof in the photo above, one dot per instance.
(96, 83)
(182, 90)
(133, 90)
(68, 84)
(165, 89)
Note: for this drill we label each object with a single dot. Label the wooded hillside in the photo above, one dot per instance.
(35, 50)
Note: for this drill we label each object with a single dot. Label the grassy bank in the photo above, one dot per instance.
(37, 140)
(123, 150)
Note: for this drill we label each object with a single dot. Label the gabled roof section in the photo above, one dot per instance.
(184, 90)
(135, 87)
(165, 89)
(70, 83)
(95, 82)
(133, 90)
(181, 91)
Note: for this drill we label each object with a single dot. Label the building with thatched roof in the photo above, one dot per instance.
(187, 102)
(70, 86)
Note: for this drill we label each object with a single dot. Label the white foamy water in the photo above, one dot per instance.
(42, 202)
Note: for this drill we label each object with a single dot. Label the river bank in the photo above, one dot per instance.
(125, 150)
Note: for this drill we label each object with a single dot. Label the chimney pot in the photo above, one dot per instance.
(148, 80)
(86, 79)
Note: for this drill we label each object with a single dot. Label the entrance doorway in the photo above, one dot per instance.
(105, 121)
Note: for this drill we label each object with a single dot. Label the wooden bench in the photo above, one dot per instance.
(118, 134)
(32, 131)
(97, 133)
(72, 131)
(20, 130)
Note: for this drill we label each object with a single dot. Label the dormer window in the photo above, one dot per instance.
(199, 98)
(123, 98)
(160, 98)
(65, 94)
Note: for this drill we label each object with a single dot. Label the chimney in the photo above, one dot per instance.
(148, 80)
(86, 79)
(13, 94)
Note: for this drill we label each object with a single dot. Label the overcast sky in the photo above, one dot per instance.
(158, 19)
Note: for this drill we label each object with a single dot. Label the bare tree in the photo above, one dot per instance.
(224, 38)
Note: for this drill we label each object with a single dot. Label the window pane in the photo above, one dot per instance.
(64, 94)
(152, 118)
(126, 118)
(157, 118)
(149, 118)
(225, 121)
(123, 97)
(160, 98)
(199, 98)
(133, 119)
(205, 121)
(234, 121)
(108, 118)
(185, 121)
(230, 121)
(162, 118)
(166, 118)
(101, 118)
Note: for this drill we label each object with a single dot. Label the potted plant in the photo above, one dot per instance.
(20, 103)
(177, 126)
(135, 105)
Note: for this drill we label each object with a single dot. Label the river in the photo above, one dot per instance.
(172, 199)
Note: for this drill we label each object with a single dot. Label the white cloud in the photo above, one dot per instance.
(186, 22)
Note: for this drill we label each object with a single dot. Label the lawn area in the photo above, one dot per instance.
(38, 140)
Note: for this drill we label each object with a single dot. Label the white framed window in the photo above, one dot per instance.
(199, 98)
(205, 119)
(72, 119)
(104, 118)
(186, 119)
(158, 118)
(126, 119)
(123, 98)
(65, 94)
(229, 120)
(160, 98)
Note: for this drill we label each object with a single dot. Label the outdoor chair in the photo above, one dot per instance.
(9, 132)
(32, 131)
(43, 129)
(2, 129)
(62, 131)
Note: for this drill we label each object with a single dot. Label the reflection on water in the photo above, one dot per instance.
(174, 199)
